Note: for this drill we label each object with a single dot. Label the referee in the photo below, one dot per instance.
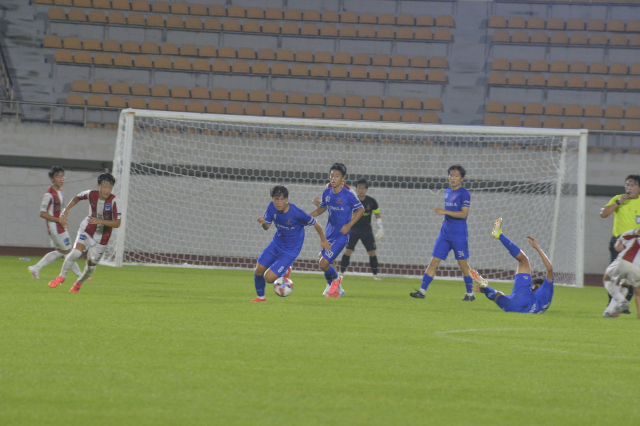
(362, 230)
(626, 216)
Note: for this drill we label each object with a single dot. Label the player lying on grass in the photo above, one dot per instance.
(95, 230)
(50, 210)
(528, 296)
(625, 267)
(344, 211)
(276, 259)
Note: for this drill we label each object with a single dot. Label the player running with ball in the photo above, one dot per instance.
(94, 232)
(344, 211)
(528, 296)
(276, 259)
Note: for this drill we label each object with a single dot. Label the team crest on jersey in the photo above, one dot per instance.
(107, 207)
(327, 199)
(339, 201)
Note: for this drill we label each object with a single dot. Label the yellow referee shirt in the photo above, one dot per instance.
(626, 216)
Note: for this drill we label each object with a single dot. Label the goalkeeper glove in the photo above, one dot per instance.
(380, 231)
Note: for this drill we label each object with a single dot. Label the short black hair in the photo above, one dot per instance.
(55, 170)
(363, 181)
(634, 177)
(108, 177)
(537, 281)
(279, 190)
(457, 167)
(339, 167)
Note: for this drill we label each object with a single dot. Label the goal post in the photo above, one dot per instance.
(193, 185)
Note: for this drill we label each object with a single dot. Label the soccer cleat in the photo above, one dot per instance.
(257, 299)
(469, 297)
(377, 278)
(609, 315)
(334, 285)
(288, 274)
(326, 290)
(417, 294)
(75, 288)
(35, 272)
(497, 228)
(621, 307)
(478, 279)
(56, 282)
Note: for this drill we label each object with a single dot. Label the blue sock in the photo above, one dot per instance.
(489, 292)
(514, 250)
(426, 280)
(260, 283)
(330, 274)
(468, 283)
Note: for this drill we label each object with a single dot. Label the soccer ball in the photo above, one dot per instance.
(283, 287)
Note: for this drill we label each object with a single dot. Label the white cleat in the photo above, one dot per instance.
(377, 278)
(326, 290)
(478, 279)
(35, 272)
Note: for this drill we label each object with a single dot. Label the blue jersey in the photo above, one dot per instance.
(340, 207)
(289, 235)
(542, 297)
(454, 229)
(525, 301)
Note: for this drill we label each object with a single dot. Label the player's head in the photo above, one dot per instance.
(535, 284)
(456, 175)
(361, 187)
(56, 174)
(337, 174)
(105, 185)
(280, 197)
(632, 185)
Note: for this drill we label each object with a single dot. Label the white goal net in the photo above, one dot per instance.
(193, 185)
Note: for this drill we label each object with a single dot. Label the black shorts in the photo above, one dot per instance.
(366, 237)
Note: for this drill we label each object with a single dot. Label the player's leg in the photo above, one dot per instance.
(62, 244)
(70, 259)
(369, 242)
(512, 248)
(461, 253)
(440, 252)
(331, 275)
(480, 285)
(267, 257)
(351, 246)
(94, 254)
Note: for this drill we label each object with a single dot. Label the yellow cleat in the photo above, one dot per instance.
(497, 228)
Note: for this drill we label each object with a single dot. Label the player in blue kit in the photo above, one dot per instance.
(453, 234)
(344, 211)
(528, 296)
(276, 259)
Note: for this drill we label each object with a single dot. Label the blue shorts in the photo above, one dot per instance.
(337, 244)
(275, 259)
(520, 298)
(443, 246)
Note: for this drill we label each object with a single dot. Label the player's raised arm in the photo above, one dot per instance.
(323, 240)
(317, 212)
(545, 259)
(264, 223)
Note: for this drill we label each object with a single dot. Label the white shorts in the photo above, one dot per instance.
(93, 249)
(60, 241)
(621, 268)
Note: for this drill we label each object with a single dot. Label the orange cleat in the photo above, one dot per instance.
(257, 299)
(288, 274)
(334, 285)
(56, 282)
(75, 288)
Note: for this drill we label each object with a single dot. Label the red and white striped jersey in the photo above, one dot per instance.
(630, 247)
(102, 209)
(52, 204)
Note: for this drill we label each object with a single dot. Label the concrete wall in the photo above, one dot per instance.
(22, 188)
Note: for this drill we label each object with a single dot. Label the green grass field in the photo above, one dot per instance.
(172, 346)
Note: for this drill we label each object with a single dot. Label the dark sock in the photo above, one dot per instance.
(373, 261)
(344, 262)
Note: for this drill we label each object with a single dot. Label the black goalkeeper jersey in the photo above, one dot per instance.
(364, 224)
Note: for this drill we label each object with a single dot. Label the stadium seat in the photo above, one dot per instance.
(201, 65)
(309, 30)
(556, 81)
(555, 24)
(371, 115)
(410, 117)
(160, 90)
(315, 99)
(432, 104)
(616, 83)
(193, 23)
(632, 126)
(552, 122)
(181, 9)
(400, 61)
(176, 105)
(334, 100)
(220, 94)
(366, 32)
(297, 98)
(254, 109)
(180, 92)
(596, 25)
(290, 28)
(500, 65)
(130, 47)
(338, 72)
(214, 24)
(536, 24)
(598, 39)
(520, 65)
(83, 57)
(311, 15)
(571, 123)
(97, 17)
(75, 99)
(137, 103)
(534, 108)
(207, 52)
(438, 62)
(304, 56)
(322, 57)
(381, 60)
(501, 36)
(405, 19)
(442, 34)
(423, 62)
(77, 15)
(330, 16)
(142, 61)
(120, 89)
(516, 80)
(553, 109)
(386, 32)
(514, 108)
(217, 10)
(182, 64)
(216, 108)
(429, 117)
(80, 86)
(392, 102)
(424, 34)
(532, 122)
(417, 75)
(520, 37)
(73, 43)
(352, 114)
(614, 112)
(312, 112)
(398, 74)
(359, 59)
(358, 72)
(220, 66)
(149, 48)
(117, 102)
(285, 55)
(279, 69)
(236, 12)
(53, 42)
(558, 38)
(575, 82)
(378, 74)
(575, 25)
(354, 101)
(497, 22)
(536, 80)
(579, 39)
(441, 21)
(234, 108)
(391, 116)
(579, 67)
(251, 27)
(277, 98)
(319, 71)
(293, 111)
(492, 120)
(196, 106)
(619, 40)
(412, 103)
(96, 100)
(632, 112)
(135, 19)
(574, 111)
(611, 125)
(231, 25)
(593, 111)
(260, 68)
(539, 66)
(375, 102)
(171, 22)
(497, 79)
(273, 111)
(513, 121)
(539, 37)
(437, 76)
(102, 4)
(618, 68)
(240, 67)
(328, 30)
(140, 90)
(347, 31)
(595, 83)
(633, 84)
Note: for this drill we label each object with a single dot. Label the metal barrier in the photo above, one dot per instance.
(6, 78)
